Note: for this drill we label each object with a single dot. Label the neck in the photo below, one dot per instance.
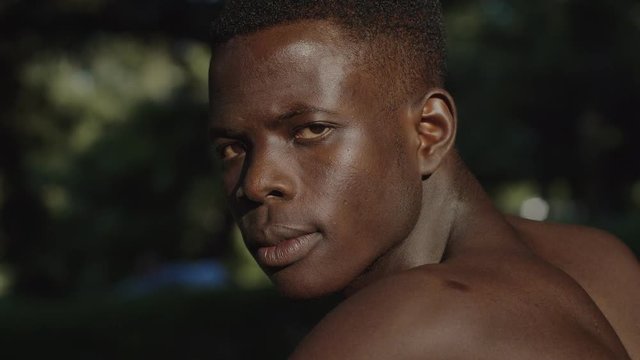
(457, 216)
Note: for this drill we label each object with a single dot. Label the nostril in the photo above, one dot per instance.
(276, 193)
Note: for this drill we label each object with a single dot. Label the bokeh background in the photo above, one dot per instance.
(114, 239)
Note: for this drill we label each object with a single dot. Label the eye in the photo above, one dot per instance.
(312, 132)
(230, 150)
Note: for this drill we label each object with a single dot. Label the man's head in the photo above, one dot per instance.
(403, 38)
(323, 177)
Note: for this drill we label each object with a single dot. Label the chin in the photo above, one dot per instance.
(298, 293)
(295, 285)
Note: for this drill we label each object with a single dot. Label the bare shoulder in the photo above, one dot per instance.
(602, 264)
(444, 311)
(387, 320)
(569, 243)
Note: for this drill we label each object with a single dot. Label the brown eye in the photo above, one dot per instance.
(311, 132)
(230, 151)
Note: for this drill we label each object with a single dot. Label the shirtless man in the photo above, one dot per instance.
(337, 144)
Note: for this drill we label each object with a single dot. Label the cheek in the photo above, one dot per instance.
(363, 199)
(365, 195)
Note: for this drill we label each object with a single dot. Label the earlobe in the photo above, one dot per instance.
(436, 129)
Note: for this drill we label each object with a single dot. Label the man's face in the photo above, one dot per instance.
(319, 173)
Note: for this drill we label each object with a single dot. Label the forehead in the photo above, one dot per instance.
(305, 62)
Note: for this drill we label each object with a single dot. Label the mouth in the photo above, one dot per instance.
(285, 246)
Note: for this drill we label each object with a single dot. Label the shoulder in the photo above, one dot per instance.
(378, 322)
(594, 258)
(600, 263)
(428, 312)
(403, 316)
(589, 242)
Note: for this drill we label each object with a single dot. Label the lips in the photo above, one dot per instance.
(282, 245)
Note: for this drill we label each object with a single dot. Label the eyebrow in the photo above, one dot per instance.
(302, 110)
(216, 132)
(296, 110)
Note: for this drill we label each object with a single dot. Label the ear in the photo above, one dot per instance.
(436, 130)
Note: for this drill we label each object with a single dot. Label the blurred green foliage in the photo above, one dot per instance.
(105, 159)
(548, 94)
(105, 170)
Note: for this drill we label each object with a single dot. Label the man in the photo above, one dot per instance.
(336, 140)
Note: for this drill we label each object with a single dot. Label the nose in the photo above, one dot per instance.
(268, 175)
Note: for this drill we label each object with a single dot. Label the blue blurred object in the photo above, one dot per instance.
(199, 275)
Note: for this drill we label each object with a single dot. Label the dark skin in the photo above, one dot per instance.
(333, 190)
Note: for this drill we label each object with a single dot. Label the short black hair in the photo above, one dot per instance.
(412, 32)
